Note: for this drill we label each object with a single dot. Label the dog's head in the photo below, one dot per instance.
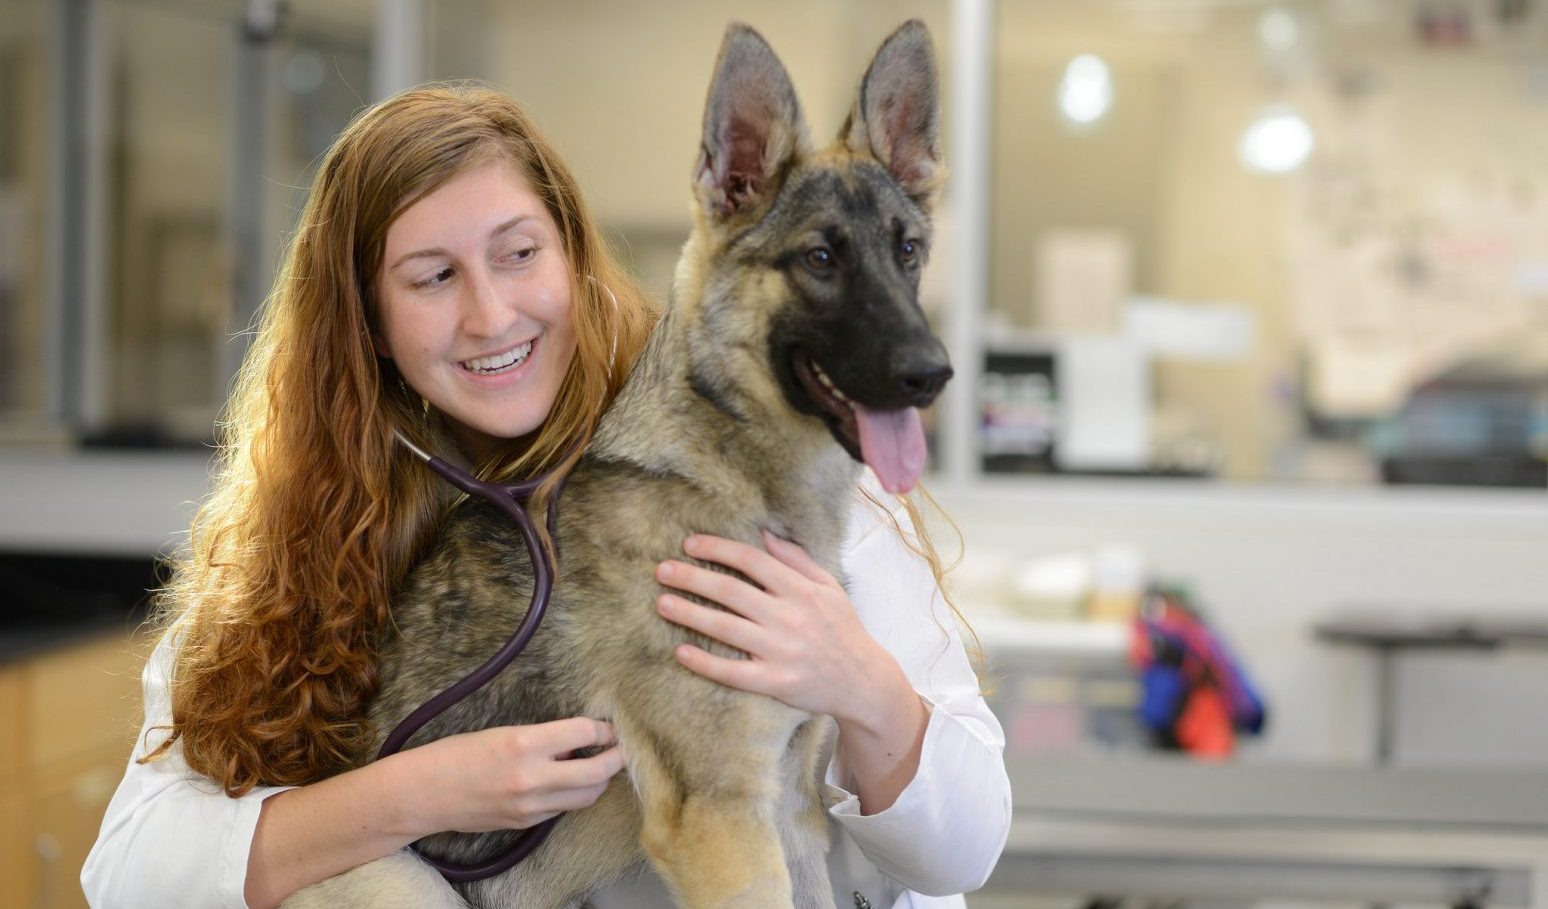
(810, 260)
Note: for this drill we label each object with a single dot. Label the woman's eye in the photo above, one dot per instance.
(820, 258)
(523, 254)
(440, 276)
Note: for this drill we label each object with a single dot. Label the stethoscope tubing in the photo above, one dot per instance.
(507, 498)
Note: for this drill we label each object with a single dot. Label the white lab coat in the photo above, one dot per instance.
(171, 838)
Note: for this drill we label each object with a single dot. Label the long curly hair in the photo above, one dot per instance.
(276, 603)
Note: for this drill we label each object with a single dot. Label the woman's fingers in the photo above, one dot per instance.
(716, 586)
(796, 557)
(585, 777)
(559, 738)
(763, 569)
(746, 675)
(552, 780)
(725, 627)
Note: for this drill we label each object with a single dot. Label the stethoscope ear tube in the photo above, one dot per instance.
(508, 499)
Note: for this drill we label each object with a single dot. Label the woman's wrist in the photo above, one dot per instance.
(881, 734)
(876, 694)
(408, 813)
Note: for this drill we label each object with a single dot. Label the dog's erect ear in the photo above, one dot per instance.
(896, 117)
(752, 127)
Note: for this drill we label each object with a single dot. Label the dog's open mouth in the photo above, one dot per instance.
(890, 442)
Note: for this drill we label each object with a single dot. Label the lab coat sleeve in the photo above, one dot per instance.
(171, 837)
(947, 828)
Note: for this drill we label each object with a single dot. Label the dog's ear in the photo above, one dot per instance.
(753, 128)
(896, 117)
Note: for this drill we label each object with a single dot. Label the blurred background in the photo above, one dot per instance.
(1247, 448)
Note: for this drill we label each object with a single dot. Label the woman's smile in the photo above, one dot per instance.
(501, 363)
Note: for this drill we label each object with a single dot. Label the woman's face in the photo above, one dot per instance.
(474, 298)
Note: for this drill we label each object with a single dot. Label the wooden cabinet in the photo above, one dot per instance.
(18, 864)
(77, 711)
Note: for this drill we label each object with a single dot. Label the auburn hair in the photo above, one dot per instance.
(275, 605)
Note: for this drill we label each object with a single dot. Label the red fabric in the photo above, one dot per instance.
(1204, 729)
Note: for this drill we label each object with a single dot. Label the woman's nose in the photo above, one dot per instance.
(486, 313)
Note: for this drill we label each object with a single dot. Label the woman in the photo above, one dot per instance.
(447, 282)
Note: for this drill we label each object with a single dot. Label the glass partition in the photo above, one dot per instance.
(1295, 241)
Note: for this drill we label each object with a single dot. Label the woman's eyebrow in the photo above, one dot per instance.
(438, 251)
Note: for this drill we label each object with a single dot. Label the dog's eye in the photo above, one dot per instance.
(820, 258)
(909, 250)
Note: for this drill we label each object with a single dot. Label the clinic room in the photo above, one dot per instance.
(1062, 454)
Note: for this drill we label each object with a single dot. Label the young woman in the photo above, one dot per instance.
(447, 282)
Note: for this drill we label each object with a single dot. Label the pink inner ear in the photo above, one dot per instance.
(907, 158)
(743, 176)
(744, 150)
(918, 173)
(900, 119)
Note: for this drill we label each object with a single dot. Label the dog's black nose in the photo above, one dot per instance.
(919, 382)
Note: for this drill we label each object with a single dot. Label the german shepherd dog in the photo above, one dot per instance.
(793, 349)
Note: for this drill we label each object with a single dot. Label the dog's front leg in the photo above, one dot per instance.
(716, 852)
(710, 814)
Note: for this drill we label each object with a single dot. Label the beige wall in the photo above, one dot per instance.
(620, 86)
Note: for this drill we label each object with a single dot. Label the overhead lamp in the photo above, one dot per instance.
(1277, 29)
(1277, 142)
(1086, 91)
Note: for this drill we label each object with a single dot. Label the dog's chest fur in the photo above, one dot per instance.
(628, 506)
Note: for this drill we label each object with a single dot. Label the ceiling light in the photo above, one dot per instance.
(1277, 142)
(1086, 92)
(1278, 30)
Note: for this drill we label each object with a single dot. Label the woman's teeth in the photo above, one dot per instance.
(491, 366)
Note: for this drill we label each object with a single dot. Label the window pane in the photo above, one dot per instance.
(24, 125)
(1300, 241)
(217, 132)
(168, 292)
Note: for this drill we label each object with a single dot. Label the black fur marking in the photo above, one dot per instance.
(704, 388)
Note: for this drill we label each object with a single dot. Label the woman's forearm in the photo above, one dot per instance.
(310, 834)
(501, 778)
(880, 739)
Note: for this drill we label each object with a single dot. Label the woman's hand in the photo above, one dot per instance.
(511, 777)
(806, 647)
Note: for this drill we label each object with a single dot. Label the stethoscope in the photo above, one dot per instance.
(510, 499)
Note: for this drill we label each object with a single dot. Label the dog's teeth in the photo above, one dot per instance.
(827, 383)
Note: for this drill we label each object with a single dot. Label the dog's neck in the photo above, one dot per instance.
(670, 419)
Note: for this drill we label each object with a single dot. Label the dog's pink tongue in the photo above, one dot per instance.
(893, 445)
